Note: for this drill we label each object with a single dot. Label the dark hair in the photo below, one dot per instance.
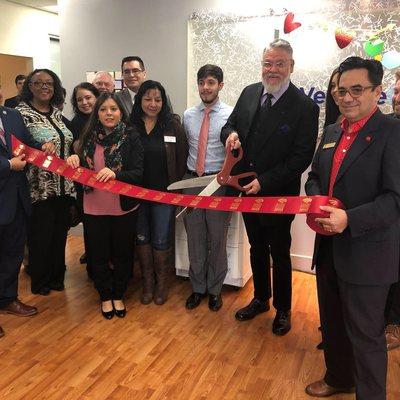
(165, 114)
(58, 97)
(94, 118)
(133, 58)
(210, 70)
(19, 78)
(373, 67)
(332, 111)
(86, 86)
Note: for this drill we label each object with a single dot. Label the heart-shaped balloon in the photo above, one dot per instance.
(289, 25)
(373, 47)
(391, 59)
(343, 39)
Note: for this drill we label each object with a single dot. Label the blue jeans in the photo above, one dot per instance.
(153, 225)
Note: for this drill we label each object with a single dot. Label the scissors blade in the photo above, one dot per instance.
(210, 189)
(191, 183)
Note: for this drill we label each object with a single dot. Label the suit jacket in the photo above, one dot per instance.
(368, 185)
(126, 101)
(288, 141)
(13, 184)
(12, 102)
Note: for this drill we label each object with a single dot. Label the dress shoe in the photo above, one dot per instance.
(281, 325)
(194, 300)
(254, 308)
(83, 259)
(16, 307)
(120, 312)
(59, 287)
(322, 389)
(392, 336)
(43, 291)
(1, 332)
(107, 314)
(214, 302)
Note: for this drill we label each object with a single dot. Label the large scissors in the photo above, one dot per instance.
(213, 182)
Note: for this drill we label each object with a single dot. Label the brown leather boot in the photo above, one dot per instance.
(161, 267)
(145, 256)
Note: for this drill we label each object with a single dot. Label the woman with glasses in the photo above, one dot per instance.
(165, 155)
(50, 193)
(112, 150)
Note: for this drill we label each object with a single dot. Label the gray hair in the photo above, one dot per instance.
(280, 44)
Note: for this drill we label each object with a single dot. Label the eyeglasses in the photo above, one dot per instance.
(41, 85)
(278, 64)
(134, 71)
(354, 91)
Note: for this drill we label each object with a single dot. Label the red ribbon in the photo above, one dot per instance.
(309, 205)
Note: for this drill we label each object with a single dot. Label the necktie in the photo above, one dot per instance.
(3, 137)
(203, 138)
(268, 102)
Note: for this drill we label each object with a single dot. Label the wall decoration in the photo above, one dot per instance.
(289, 24)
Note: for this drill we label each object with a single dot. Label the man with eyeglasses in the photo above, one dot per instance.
(277, 127)
(133, 75)
(357, 259)
(104, 82)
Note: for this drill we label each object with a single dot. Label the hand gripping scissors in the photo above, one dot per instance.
(213, 182)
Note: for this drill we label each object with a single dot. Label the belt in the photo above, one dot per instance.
(194, 173)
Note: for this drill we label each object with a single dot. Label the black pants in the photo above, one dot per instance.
(47, 236)
(392, 310)
(12, 242)
(352, 319)
(110, 240)
(266, 241)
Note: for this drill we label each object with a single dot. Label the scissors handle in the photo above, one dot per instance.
(224, 177)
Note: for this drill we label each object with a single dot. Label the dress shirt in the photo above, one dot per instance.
(192, 120)
(349, 134)
(276, 95)
(133, 94)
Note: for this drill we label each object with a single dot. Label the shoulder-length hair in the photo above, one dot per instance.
(58, 95)
(86, 86)
(94, 119)
(332, 111)
(165, 115)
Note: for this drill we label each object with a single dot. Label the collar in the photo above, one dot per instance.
(358, 125)
(132, 94)
(215, 107)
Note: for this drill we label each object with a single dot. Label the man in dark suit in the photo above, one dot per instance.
(15, 206)
(133, 74)
(12, 102)
(358, 163)
(277, 127)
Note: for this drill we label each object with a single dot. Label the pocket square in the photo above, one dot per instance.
(284, 128)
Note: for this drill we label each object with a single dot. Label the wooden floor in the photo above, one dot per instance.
(68, 351)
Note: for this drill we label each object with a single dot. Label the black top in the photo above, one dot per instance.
(78, 124)
(155, 175)
(12, 102)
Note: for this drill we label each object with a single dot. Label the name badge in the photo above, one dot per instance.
(328, 145)
(169, 139)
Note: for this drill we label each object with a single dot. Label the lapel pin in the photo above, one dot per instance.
(368, 138)
(4, 112)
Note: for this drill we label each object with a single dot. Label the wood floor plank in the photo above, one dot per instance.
(70, 352)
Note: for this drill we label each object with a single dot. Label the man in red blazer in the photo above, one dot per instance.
(358, 163)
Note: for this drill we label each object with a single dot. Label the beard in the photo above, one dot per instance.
(270, 88)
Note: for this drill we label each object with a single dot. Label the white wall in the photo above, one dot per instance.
(24, 31)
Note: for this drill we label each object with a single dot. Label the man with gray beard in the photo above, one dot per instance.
(277, 127)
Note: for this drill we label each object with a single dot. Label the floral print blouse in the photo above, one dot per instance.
(45, 127)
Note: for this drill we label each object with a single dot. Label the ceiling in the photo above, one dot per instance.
(44, 5)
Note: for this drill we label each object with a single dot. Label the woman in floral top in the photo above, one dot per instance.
(50, 193)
